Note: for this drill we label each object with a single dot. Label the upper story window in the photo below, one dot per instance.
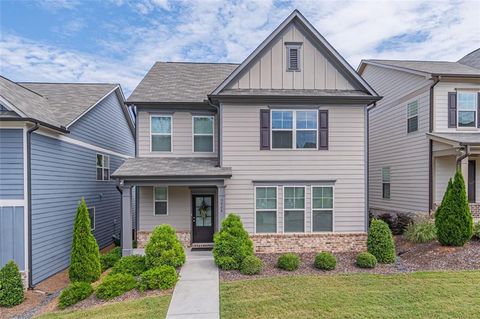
(412, 117)
(160, 200)
(293, 56)
(294, 129)
(467, 109)
(103, 167)
(266, 209)
(161, 133)
(203, 140)
(386, 182)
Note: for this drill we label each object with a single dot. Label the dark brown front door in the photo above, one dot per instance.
(202, 218)
(471, 181)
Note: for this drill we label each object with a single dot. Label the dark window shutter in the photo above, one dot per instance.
(478, 109)
(264, 129)
(452, 109)
(323, 130)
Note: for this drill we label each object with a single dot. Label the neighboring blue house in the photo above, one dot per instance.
(59, 142)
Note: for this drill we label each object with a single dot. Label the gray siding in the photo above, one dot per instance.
(105, 126)
(12, 236)
(62, 174)
(11, 164)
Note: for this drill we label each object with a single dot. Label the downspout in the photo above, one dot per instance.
(119, 189)
(367, 170)
(430, 146)
(219, 138)
(29, 201)
(466, 149)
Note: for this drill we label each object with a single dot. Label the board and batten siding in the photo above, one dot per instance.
(12, 236)
(182, 135)
(344, 162)
(11, 164)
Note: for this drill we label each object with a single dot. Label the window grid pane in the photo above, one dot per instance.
(266, 205)
(294, 129)
(322, 197)
(203, 125)
(294, 198)
(161, 125)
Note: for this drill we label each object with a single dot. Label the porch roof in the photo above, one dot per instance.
(171, 167)
(457, 138)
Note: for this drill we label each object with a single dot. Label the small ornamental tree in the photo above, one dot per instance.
(85, 260)
(380, 242)
(11, 285)
(453, 218)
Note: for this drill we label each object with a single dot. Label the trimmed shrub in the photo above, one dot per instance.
(74, 293)
(109, 259)
(114, 285)
(421, 232)
(163, 277)
(288, 261)
(366, 260)
(453, 218)
(231, 241)
(164, 248)
(325, 261)
(85, 259)
(11, 285)
(476, 230)
(133, 265)
(251, 265)
(380, 242)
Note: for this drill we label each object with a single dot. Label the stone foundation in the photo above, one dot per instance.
(475, 209)
(144, 236)
(304, 243)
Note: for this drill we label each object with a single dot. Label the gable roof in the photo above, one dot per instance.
(177, 82)
(472, 59)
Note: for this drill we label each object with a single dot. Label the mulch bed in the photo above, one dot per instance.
(410, 257)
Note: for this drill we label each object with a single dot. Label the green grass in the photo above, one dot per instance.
(416, 295)
(145, 308)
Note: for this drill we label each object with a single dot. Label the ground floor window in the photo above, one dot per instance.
(160, 200)
(294, 209)
(266, 209)
(322, 208)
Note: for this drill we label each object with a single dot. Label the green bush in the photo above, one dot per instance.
(133, 265)
(476, 230)
(109, 259)
(11, 285)
(74, 293)
(288, 261)
(421, 232)
(325, 261)
(163, 277)
(251, 265)
(380, 242)
(114, 285)
(164, 248)
(231, 241)
(366, 260)
(85, 258)
(453, 219)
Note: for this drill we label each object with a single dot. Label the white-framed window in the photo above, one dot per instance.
(294, 209)
(386, 182)
(203, 134)
(91, 215)
(293, 56)
(161, 133)
(294, 129)
(467, 109)
(103, 167)
(265, 209)
(322, 208)
(160, 200)
(412, 117)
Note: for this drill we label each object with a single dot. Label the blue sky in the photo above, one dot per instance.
(119, 40)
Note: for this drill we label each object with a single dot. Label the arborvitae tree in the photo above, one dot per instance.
(85, 260)
(453, 218)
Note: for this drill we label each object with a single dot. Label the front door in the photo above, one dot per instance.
(202, 218)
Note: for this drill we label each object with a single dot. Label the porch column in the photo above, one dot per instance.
(464, 170)
(221, 205)
(126, 221)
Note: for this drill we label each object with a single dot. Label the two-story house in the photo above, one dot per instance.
(426, 125)
(59, 142)
(280, 140)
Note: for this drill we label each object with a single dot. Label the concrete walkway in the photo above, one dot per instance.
(196, 294)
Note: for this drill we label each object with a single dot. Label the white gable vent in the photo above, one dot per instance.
(293, 56)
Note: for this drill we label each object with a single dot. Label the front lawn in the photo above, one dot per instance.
(413, 295)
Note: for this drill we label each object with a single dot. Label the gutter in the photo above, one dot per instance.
(430, 145)
(36, 122)
(29, 201)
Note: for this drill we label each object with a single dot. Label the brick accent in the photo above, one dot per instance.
(144, 236)
(303, 243)
(475, 209)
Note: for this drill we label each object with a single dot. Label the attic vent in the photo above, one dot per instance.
(293, 56)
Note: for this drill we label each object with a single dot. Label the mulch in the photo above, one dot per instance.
(410, 257)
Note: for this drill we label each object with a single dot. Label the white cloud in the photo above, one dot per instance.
(58, 4)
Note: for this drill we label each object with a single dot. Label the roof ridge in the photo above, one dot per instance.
(74, 83)
(190, 62)
(405, 60)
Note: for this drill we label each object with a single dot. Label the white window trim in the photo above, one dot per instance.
(304, 209)
(94, 214)
(161, 134)
(293, 129)
(103, 167)
(154, 201)
(296, 46)
(312, 209)
(467, 128)
(389, 182)
(410, 117)
(201, 134)
(267, 210)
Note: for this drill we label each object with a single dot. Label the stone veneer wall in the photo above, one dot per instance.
(475, 209)
(143, 236)
(304, 243)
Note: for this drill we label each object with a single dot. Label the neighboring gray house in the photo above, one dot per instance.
(427, 123)
(59, 142)
(279, 139)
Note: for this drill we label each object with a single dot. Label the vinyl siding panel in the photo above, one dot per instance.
(12, 244)
(444, 170)
(11, 164)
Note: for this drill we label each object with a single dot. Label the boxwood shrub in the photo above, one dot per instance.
(163, 277)
(133, 265)
(11, 285)
(288, 261)
(164, 248)
(476, 230)
(325, 261)
(251, 265)
(109, 259)
(380, 242)
(366, 260)
(74, 293)
(114, 285)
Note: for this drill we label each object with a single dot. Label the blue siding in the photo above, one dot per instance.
(12, 236)
(105, 126)
(63, 173)
(11, 164)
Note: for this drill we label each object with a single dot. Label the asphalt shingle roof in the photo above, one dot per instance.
(464, 138)
(432, 67)
(293, 92)
(472, 59)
